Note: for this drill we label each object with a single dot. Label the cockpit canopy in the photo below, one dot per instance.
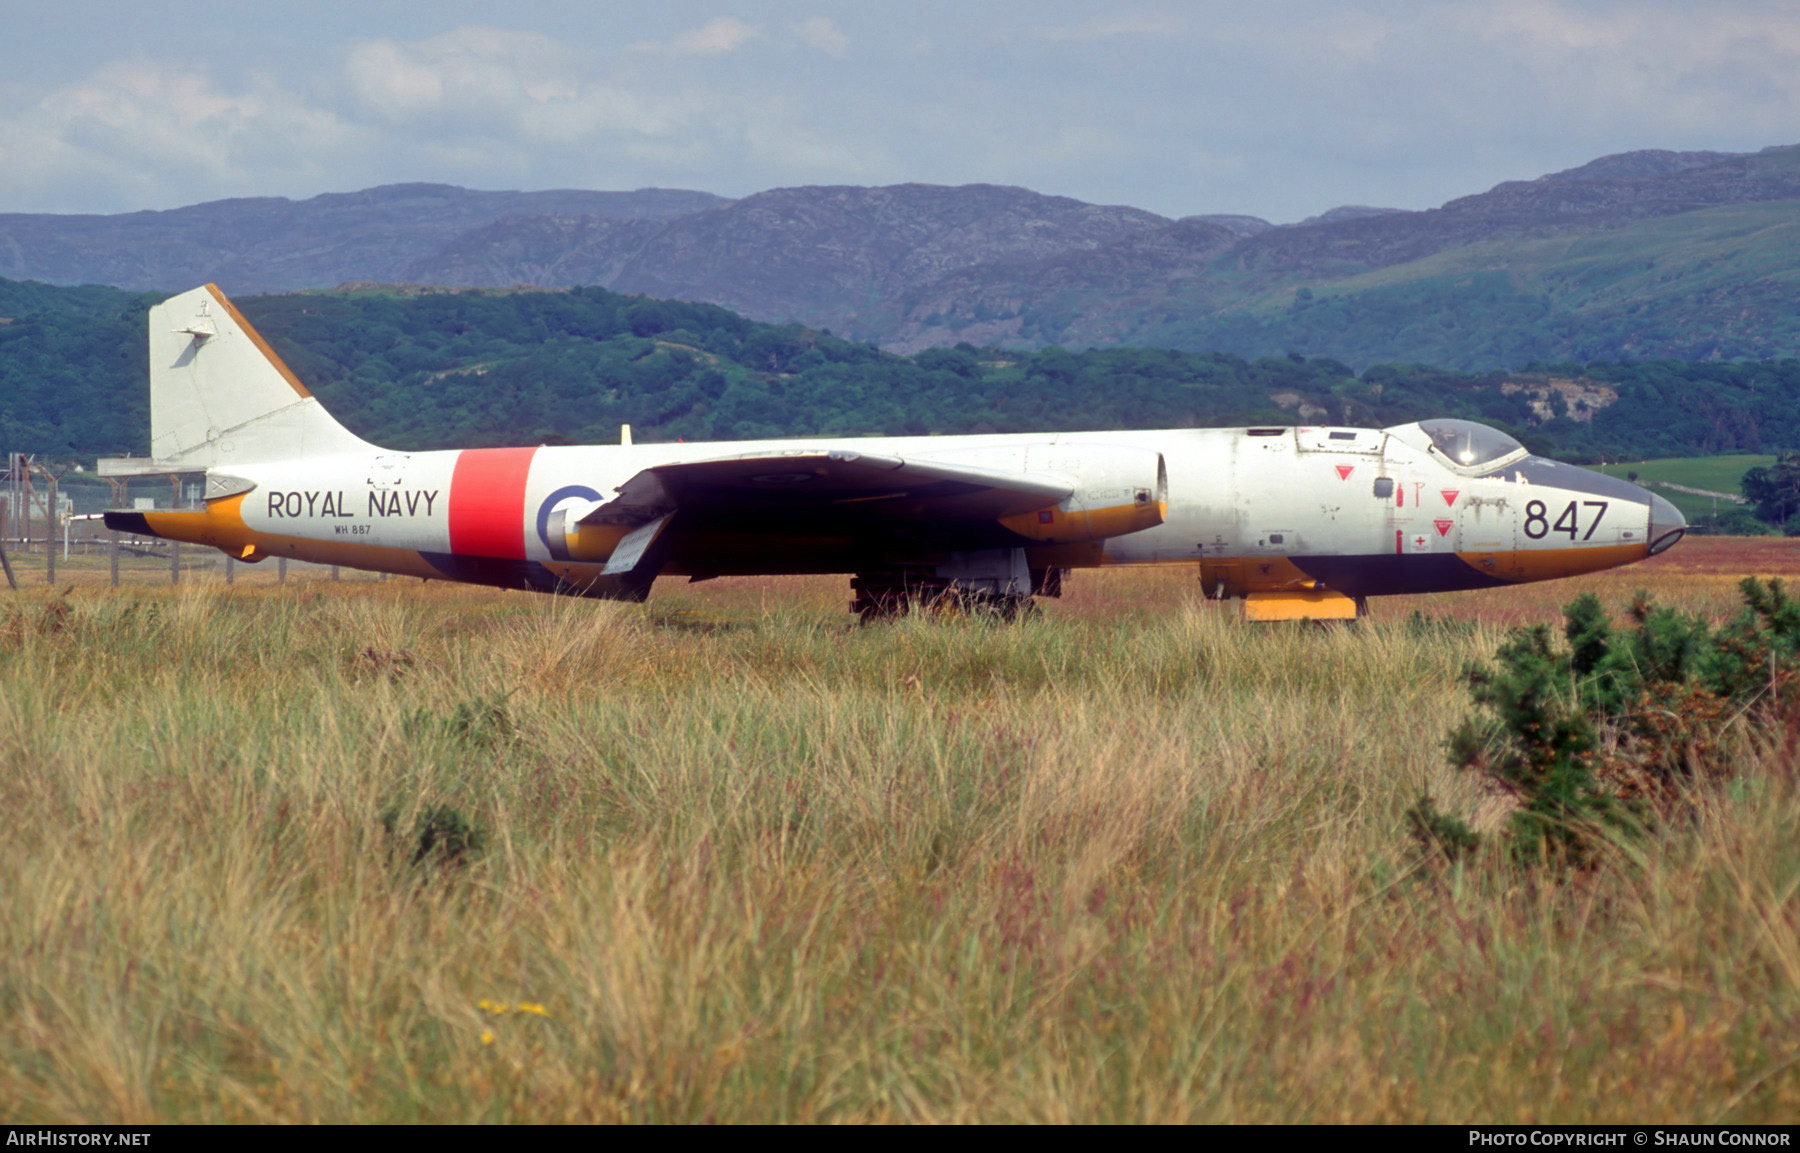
(1462, 444)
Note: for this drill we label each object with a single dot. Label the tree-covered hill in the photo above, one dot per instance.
(74, 370)
(415, 370)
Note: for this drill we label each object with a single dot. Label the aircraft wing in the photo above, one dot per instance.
(838, 484)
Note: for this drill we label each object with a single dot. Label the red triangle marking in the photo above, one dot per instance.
(1449, 494)
(1344, 471)
(1444, 526)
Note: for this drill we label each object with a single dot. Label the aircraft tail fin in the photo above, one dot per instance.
(219, 395)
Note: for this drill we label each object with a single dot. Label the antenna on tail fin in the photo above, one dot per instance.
(220, 396)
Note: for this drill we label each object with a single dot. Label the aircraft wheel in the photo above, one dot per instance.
(1013, 609)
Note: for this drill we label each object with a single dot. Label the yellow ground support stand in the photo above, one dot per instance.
(1301, 605)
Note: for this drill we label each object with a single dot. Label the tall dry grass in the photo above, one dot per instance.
(1132, 860)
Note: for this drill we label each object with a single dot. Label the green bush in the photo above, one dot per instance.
(441, 835)
(1610, 730)
(1734, 522)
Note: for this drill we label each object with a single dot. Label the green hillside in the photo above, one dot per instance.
(429, 369)
(74, 370)
(1717, 283)
(1716, 474)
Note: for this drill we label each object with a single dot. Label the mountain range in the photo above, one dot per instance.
(1642, 255)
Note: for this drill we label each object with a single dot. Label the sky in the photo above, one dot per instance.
(1280, 109)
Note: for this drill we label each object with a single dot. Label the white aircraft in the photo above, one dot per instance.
(1299, 522)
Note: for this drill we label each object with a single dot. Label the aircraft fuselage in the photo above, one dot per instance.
(1298, 521)
(1362, 512)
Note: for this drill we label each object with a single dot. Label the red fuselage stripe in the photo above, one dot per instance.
(487, 502)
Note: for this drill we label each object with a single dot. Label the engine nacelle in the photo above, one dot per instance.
(571, 541)
(1118, 490)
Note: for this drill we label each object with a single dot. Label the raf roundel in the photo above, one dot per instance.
(562, 498)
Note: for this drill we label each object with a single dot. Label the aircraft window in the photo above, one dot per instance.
(1343, 436)
(1468, 444)
(1264, 431)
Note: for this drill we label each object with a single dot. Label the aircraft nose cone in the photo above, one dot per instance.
(1667, 525)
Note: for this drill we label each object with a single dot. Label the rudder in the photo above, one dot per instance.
(219, 395)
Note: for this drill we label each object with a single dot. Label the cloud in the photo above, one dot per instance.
(1684, 67)
(478, 106)
(466, 70)
(822, 32)
(716, 37)
(1281, 109)
(471, 103)
(1562, 79)
(1106, 28)
(149, 133)
(476, 91)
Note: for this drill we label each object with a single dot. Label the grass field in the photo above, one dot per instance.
(1712, 473)
(738, 860)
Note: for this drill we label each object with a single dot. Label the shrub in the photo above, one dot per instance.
(441, 835)
(484, 723)
(1611, 730)
(1734, 522)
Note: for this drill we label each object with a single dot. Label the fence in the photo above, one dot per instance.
(126, 559)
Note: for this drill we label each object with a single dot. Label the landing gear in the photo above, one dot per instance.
(891, 595)
(997, 584)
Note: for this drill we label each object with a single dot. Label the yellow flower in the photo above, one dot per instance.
(533, 1007)
(487, 1038)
